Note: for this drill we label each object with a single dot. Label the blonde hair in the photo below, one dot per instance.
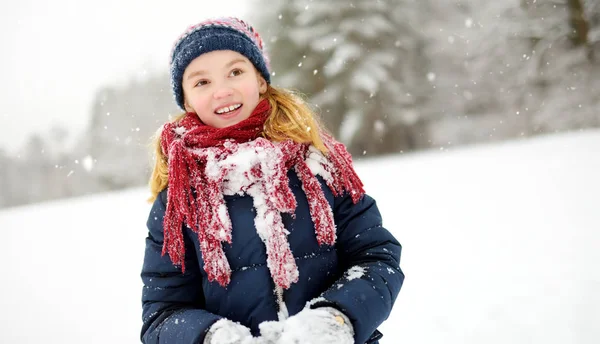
(291, 118)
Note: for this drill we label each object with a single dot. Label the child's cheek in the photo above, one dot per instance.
(250, 90)
(200, 104)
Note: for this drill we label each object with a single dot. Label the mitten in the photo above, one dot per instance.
(316, 326)
(270, 331)
(226, 331)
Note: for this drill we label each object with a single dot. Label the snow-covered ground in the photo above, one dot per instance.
(501, 245)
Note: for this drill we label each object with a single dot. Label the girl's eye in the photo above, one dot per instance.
(201, 83)
(236, 72)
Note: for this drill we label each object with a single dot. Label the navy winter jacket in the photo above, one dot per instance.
(180, 308)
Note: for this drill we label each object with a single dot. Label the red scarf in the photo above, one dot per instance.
(196, 200)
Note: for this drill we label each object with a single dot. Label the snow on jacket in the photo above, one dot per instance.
(359, 275)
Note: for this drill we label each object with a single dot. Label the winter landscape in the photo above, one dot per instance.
(500, 245)
(473, 123)
(387, 77)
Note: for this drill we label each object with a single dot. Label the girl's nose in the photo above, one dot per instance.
(223, 92)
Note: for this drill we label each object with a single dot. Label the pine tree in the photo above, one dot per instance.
(123, 122)
(361, 63)
(532, 65)
(7, 165)
(563, 82)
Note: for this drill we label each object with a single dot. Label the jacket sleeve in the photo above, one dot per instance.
(370, 255)
(172, 302)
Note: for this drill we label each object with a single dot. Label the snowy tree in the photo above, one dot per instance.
(555, 21)
(579, 23)
(563, 81)
(362, 63)
(457, 98)
(37, 171)
(27, 177)
(7, 165)
(113, 153)
(533, 65)
(45, 169)
(592, 8)
(14, 190)
(123, 122)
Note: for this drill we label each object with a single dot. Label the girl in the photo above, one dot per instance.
(260, 230)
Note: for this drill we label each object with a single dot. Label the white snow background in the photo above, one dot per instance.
(500, 245)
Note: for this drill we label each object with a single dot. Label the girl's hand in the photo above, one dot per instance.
(310, 326)
(270, 331)
(226, 331)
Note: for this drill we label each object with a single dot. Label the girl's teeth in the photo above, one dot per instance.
(228, 109)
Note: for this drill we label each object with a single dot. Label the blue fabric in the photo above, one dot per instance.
(179, 308)
(205, 40)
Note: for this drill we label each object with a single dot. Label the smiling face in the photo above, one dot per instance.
(222, 87)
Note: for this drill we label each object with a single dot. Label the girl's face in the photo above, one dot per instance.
(222, 87)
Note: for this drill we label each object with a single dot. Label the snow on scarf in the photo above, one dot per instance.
(206, 163)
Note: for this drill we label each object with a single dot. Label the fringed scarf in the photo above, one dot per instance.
(206, 163)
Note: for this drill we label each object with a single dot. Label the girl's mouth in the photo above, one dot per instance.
(228, 109)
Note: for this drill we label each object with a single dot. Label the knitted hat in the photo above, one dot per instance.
(216, 34)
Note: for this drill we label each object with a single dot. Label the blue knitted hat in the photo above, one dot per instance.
(216, 34)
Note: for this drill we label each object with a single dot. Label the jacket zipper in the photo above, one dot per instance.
(282, 312)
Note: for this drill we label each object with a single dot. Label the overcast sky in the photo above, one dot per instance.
(56, 54)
